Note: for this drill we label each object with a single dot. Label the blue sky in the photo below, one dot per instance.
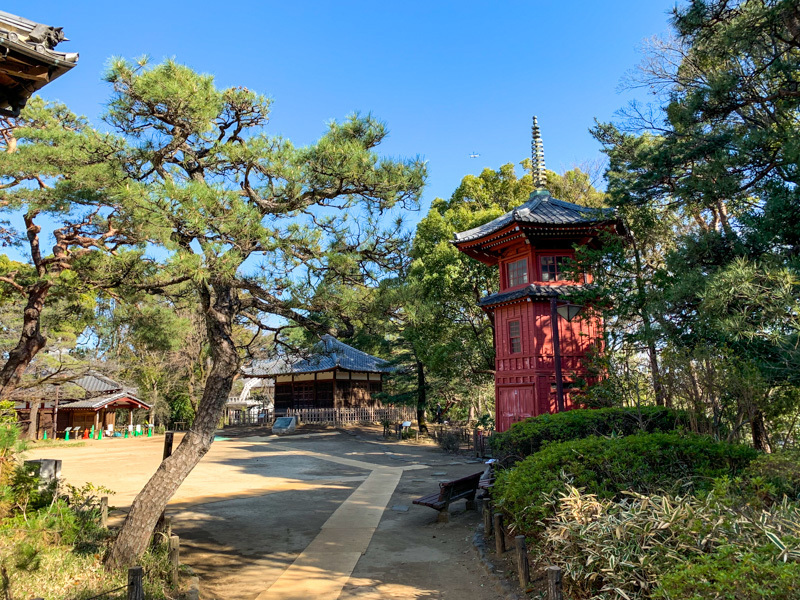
(449, 78)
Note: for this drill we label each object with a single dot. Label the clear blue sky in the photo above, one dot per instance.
(449, 78)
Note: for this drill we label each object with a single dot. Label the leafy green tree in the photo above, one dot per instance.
(252, 222)
(718, 161)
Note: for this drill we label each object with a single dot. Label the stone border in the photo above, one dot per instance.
(193, 593)
(503, 585)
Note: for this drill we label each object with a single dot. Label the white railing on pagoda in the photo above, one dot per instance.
(353, 415)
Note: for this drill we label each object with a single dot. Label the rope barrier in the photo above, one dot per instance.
(107, 592)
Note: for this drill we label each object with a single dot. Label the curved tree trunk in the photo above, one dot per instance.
(31, 341)
(135, 534)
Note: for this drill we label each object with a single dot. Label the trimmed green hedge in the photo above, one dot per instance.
(527, 437)
(643, 463)
(725, 576)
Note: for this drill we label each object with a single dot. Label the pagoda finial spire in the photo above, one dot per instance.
(537, 158)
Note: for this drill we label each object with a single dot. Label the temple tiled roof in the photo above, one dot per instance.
(29, 60)
(329, 354)
(541, 209)
(531, 291)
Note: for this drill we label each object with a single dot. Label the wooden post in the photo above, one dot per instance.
(499, 533)
(55, 413)
(168, 437)
(557, 355)
(554, 589)
(523, 568)
(174, 557)
(104, 511)
(135, 583)
(166, 526)
(487, 518)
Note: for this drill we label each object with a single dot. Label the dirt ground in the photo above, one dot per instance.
(322, 514)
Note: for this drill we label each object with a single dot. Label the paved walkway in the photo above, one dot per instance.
(305, 516)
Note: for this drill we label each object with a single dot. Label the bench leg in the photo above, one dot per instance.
(444, 516)
(471, 505)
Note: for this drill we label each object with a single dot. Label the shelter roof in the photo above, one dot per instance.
(329, 354)
(540, 209)
(29, 60)
(533, 291)
(94, 382)
(104, 401)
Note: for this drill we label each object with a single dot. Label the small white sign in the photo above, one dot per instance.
(406, 423)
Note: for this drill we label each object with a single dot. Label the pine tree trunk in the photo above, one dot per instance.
(31, 341)
(759, 431)
(135, 534)
(422, 400)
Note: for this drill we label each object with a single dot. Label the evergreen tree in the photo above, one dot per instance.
(252, 222)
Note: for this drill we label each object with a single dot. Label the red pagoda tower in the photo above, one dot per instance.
(541, 340)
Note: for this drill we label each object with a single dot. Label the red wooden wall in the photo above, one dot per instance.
(525, 381)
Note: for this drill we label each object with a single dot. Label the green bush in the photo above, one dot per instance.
(527, 437)
(723, 576)
(607, 466)
(771, 476)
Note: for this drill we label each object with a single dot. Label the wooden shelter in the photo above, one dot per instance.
(28, 60)
(103, 397)
(539, 354)
(334, 376)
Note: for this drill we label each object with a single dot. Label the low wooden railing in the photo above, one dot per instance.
(353, 415)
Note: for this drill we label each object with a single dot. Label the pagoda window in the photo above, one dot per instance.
(553, 268)
(518, 272)
(514, 337)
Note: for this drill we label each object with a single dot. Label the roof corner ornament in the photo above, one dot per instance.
(538, 170)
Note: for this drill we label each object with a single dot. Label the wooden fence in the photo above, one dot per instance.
(472, 440)
(353, 415)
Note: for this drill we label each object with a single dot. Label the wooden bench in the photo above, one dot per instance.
(449, 492)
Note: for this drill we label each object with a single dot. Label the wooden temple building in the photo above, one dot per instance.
(28, 60)
(97, 408)
(334, 376)
(542, 340)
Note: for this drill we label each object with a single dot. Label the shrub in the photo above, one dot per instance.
(754, 576)
(450, 441)
(527, 437)
(608, 466)
(772, 476)
(641, 546)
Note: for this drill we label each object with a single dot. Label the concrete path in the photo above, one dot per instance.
(323, 568)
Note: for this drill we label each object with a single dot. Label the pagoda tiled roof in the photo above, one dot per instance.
(541, 209)
(328, 354)
(533, 291)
